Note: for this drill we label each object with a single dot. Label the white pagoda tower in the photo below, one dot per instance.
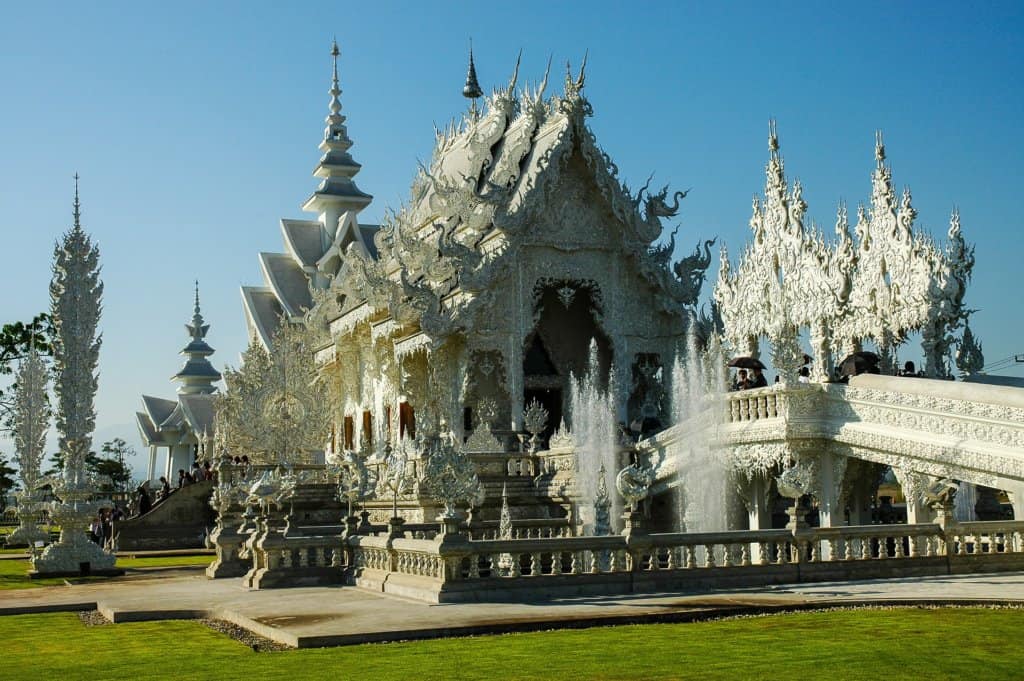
(314, 249)
(181, 424)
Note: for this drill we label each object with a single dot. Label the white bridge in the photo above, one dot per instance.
(924, 429)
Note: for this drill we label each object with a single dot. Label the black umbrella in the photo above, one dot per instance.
(863, 362)
(747, 363)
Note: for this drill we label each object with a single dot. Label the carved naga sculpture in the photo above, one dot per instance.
(692, 269)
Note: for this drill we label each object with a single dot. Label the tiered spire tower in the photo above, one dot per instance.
(337, 193)
(198, 375)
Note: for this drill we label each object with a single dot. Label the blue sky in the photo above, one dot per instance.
(194, 127)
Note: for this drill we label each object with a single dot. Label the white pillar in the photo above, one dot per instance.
(830, 512)
(152, 463)
(759, 512)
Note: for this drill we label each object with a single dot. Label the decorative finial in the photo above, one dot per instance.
(515, 73)
(879, 147)
(544, 81)
(773, 137)
(471, 90)
(335, 129)
(580, 79)
(197, 297)
(335, 52)
(77, 210)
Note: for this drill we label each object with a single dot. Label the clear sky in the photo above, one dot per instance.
(194, 127)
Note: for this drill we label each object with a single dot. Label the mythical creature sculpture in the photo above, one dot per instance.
(797, 480)
(691, 270)
(634, 482)
(656, 207)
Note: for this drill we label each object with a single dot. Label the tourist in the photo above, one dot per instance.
(759, 380)
(144, 501)
(183, 478)
(96, 530)
(106, 527)
(805, 375)
(741, 382)
(909, 370)
(197, 473)
(165, 489)
(207, 471)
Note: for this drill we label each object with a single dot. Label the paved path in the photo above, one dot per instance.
(307, 617)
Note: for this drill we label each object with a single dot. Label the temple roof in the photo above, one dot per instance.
(198, 412)
(303, 240)
(288, 282)
(263, 312)
(157, 408)
(147, 429)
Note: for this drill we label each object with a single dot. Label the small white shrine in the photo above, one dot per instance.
(180, 425)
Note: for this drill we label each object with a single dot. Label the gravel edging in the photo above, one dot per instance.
(258, 643)
(93, 618)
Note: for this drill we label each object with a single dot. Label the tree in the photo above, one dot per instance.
(15, 340)
(6, 481)
(114, 465)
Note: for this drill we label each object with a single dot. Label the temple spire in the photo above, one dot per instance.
(198, 375)
(76, 211)
(471, 90)
(337, 193)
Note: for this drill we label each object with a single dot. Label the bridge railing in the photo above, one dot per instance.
(755, 404)
(454, 568)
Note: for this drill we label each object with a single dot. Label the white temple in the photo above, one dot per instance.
(485, 346)
(180, 425)
(518, 247)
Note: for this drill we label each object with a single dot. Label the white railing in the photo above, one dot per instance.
(755, 405)
(841, 553)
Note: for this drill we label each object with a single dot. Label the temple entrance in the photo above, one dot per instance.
(559, 347)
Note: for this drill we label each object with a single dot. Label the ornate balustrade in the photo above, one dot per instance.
(281, 561)
(754, 405)
(452, 569)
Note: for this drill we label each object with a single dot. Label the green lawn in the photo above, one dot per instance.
(14, 573)
(851, 644)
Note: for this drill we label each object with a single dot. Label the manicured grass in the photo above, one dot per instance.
(14, 573)
(852, 644)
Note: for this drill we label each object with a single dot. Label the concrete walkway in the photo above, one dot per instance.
(325, 616)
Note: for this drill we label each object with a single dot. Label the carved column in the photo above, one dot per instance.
(914, 485)
(755, 494)
(1016, 496)
(821, 343)
(831, 470)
